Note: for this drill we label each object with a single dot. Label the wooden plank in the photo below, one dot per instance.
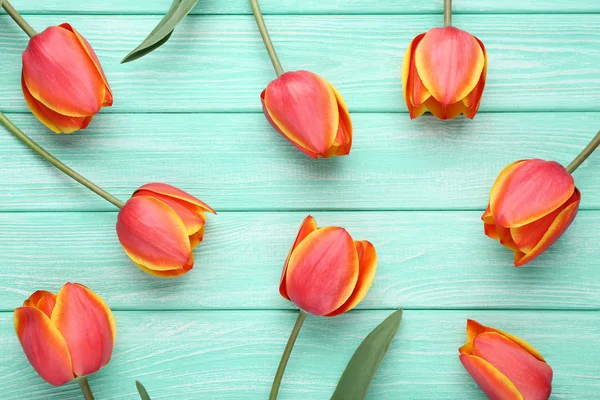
(238, 162)
(310, 6)
(233, 355)
(218, 63)
(439, 260)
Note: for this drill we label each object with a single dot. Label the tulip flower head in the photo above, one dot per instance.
(159, 226)
(62, 80)
(310, 113)
(444, 72)
(504, 366)
(532, 203)
(326, 272)
(66, 335)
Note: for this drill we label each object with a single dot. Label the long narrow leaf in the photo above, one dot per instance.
(159, 36)
(142, 391)
(361, 369)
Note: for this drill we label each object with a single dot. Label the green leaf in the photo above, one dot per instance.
(142, 391)
(361, 369)
(159, 36)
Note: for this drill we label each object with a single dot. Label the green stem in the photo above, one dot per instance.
(286, 355)
(10, 10)
(447, 12)
(585, 153)
(265, 37)
(85, 388)
(12, 128)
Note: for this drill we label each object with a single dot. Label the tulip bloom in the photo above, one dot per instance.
(310, 113)
(444, 72)
(159, 226)
(326, 272)
(66, 335)
(504, 366)
(62, 80)
(532, 203)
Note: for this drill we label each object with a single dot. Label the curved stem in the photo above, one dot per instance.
(447, 12)
(265, 37)
(585, 153)
(85, 388)
(286, 355)
(10, 10)
(12, 128)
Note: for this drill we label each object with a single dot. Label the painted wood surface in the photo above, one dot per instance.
(233, 355)
(189, 114)
(218, 63)
(312, 6)
(237, 162)
(427, 260)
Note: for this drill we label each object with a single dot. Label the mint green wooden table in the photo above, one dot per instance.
(189, 115)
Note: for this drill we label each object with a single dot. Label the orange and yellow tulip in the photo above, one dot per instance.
(504, 366)
(444, 72)
(159, 226)
(310, 113)
(532, 203)
(62, 80)
(66, 335)
(326, 272)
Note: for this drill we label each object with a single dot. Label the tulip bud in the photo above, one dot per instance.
(326, 272)
(62, 80)
(309, 112)
(159, 226)
(65, 336)
(504, 366)
(444, 72)
(532, 203)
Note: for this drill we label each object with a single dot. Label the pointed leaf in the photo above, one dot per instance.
(159, 36)
(142, 391)
(361, 369)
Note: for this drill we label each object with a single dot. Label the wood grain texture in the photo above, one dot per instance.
(427, 260)
(233, 355)
(218, 63)
(310, 6)
(238, 162)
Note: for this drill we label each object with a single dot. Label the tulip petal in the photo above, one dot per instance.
(108, 98)
(47, 303)
(445, 111)
(415, 94)
(44, 346)
(60, 75)
(54, 121)
(505, 238)
(304, 108)
(528, 236)
(322, 271)
(152, 234)
(473, 99)
(296, 145)
(171, 273)
(526, 191)
(196, 238)
(193, 217)
(309, 225)
(558, 227)
(449, 62)
(172, 191)
(491, 231)
(35, 297)
(474, 328)
(88, 326)
(531, 376)
(367, 264)
(343, 140)
(493, 383)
